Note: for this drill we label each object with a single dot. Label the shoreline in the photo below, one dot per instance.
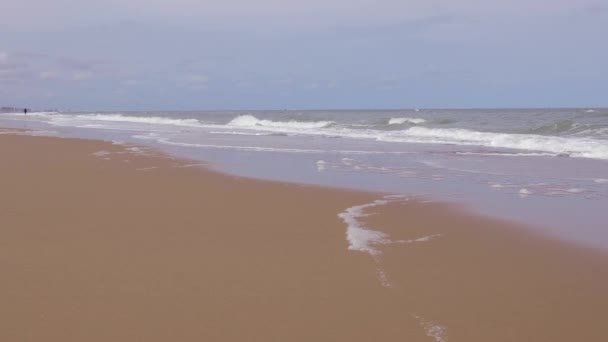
(489, 185)
(140, 247)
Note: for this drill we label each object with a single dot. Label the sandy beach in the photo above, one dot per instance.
(106, 242)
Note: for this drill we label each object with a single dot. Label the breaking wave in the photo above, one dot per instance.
(401, 121)
(562, 138)
(576, 147)
(250, 121)
(556, 128)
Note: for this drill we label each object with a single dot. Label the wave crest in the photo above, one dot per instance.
(578, 147)
(559, 127)
(401, 121)
(250, 121)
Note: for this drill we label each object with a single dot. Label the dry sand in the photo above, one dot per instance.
(119, 246)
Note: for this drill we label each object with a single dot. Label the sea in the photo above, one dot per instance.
(545, 168)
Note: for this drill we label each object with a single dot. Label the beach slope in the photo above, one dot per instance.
(104, 242)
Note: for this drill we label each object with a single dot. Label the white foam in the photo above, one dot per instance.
(508, 154)
(33, 133)
(137, 150)
(247, 121)
(11, 132)
(422, 239)
(359, 237)
(540, 145)
(367, 240)
(241, 133)
(226, 147)
(321, 165)
(601, 181)
(29, 114)
(160, 140)
(433, 330)
(103, 154)
(147, 168)
(397, 196)
(192, 165)
(400, 121)
(156, 120)
(524, 193)
(577, 147)
(383, 278)
(347, 161)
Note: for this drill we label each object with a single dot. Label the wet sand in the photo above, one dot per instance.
(100, 242)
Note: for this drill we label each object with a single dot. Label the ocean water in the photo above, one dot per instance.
(544, 167)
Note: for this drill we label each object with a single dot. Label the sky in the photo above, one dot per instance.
(318, 54)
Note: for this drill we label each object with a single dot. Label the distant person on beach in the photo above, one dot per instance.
(25, 111)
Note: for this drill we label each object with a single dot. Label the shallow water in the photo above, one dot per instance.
(545, 167)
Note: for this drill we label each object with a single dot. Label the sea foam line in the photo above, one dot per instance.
(587, 147)
(364, 239)
(158, 120)
(166, 141)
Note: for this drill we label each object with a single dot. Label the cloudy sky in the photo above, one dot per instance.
(277, 54)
